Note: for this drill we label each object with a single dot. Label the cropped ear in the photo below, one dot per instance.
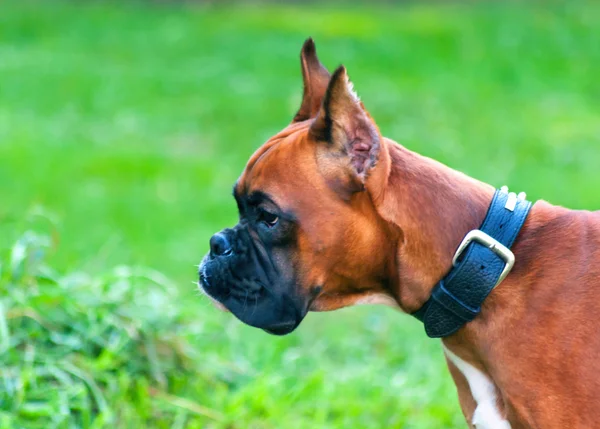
(347, 127)
(315, 77)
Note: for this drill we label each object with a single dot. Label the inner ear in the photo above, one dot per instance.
(360, 155)
(346, 127)
(315, 78)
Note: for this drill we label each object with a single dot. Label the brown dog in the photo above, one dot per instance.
(333, 214)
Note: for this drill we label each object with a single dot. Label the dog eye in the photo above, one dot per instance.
(268, 218)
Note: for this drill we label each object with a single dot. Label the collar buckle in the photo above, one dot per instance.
(491, 243)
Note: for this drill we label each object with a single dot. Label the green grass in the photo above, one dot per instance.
(128, 123)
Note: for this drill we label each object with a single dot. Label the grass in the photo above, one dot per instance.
(82, 350)
(128, 123)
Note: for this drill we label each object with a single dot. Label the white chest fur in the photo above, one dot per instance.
(486, 415)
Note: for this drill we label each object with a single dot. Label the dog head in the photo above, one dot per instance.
(309, 236)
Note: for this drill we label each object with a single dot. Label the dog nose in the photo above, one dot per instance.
(220, 245)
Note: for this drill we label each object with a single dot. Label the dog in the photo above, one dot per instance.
(333, 214)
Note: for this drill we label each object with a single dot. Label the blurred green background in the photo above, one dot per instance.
(125, 124)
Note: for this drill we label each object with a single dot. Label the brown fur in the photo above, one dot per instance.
(390, 223)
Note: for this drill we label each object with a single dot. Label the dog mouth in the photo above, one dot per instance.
(204, 280)
(253, 290)
(283, 328)
(250, 300)
(202, 286)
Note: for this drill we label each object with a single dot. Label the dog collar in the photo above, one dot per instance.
(481, 262)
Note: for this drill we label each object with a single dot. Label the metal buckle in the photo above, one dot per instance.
(491, 243)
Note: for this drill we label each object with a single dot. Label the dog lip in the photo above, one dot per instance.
(204, 282)
(236, 295)
(282, 328)
(202, 286)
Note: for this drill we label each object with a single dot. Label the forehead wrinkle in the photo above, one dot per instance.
(289, 191)
(281, 135)
(268, 156)
(241, 185)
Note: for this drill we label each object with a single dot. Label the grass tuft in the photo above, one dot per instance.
(82, 351)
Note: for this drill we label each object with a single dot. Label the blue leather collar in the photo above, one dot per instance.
(481, 262)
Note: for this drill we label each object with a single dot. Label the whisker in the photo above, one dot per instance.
(245, 301)
(255, 305)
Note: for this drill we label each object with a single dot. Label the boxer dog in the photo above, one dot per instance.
(333, 214)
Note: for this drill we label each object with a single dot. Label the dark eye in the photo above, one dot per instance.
(268, 218)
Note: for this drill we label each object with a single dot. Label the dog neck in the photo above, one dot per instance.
(433, 207)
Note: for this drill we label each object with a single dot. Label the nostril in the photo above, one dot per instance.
(219, 245)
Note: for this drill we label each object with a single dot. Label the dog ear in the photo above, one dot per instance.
(315, 77)
(346, 126)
